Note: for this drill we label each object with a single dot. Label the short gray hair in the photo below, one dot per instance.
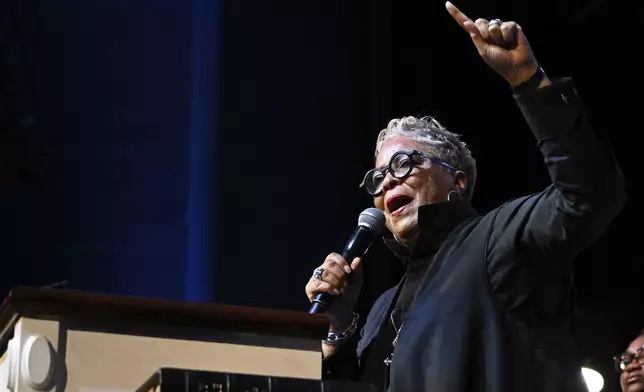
(441, 143)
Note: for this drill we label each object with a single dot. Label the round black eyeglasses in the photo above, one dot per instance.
(400, 166)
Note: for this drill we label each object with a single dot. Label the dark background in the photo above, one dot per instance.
(211, 150)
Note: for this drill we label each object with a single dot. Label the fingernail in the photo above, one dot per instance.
(336, 292)
(347, 269)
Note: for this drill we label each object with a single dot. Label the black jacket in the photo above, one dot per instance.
(491, 311)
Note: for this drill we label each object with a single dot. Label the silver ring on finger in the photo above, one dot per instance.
(497, 22)
(319, 273)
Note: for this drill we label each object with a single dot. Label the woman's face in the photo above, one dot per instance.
(426, 184)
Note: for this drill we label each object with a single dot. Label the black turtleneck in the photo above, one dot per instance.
(445, 217)
(373, 367)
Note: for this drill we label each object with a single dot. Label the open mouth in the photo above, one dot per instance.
(397, 203)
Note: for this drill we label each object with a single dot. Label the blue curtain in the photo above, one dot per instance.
(203, 106)
(124, 96)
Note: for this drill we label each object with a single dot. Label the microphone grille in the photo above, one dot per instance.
(373, 219)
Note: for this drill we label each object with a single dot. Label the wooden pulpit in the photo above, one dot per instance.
(61, 340)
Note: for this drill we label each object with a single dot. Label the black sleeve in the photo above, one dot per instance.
(343, 363)
(538, 235)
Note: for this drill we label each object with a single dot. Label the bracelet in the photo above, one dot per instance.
(334, 338)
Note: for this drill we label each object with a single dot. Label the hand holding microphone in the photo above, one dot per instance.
(338, 283)
(342, 283)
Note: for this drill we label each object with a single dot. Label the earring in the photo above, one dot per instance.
(453, 193)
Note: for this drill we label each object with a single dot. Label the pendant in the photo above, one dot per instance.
(387, 371)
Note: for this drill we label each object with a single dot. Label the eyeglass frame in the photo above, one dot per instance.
(638, 355)
(410, 154)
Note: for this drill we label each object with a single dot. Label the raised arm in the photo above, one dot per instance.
(587, 190)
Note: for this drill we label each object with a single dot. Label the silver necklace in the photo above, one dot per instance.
(393, 323)
(391, 316)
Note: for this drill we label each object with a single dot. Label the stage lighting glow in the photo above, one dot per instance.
(594, 380)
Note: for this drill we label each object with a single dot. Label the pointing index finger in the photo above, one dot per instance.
(467, 25)
(458, 16)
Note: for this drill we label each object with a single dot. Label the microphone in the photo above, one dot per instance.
(371, 222)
